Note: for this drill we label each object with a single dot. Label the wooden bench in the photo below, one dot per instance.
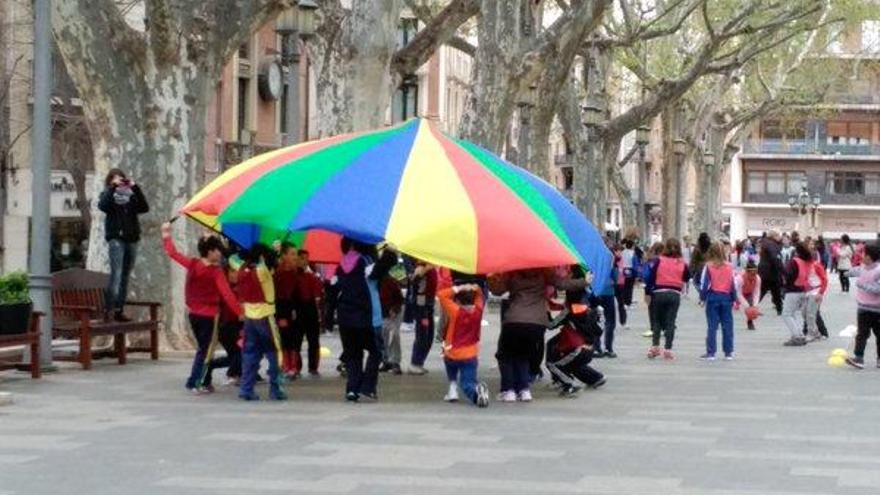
(31, 338)
(78, 313)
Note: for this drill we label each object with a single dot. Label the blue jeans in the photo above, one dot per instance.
(607, 304)
(424, 337)
(719, 313)
(258, 342)
(465, 373)
(121, 262)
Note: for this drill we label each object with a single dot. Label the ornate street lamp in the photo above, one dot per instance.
(803, 203)
(643, 136)
(294, 24)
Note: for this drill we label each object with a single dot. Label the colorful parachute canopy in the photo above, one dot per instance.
(444, 200)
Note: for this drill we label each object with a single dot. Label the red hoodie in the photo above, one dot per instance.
(205, 286)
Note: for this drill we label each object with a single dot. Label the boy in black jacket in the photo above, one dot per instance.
(570, 352)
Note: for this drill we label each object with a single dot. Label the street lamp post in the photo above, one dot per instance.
(642, 138)
(41, 282)
(592, 117)
(708, 163)
(679, 147)
(803, 203)
(294, 24)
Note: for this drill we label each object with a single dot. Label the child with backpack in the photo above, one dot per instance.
(463, 306)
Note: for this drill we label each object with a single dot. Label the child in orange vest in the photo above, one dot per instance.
(463, 305)
(717, 294)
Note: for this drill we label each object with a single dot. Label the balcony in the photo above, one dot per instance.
(804, 147)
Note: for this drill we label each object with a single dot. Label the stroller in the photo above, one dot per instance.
(570, 351)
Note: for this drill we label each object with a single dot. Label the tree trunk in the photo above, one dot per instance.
(492, 98)
(353, 62)
(627, 205)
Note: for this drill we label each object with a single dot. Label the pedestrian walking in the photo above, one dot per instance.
(844, 261)
(771, 269)
(868, 299)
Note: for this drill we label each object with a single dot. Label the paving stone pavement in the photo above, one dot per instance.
(775, 421)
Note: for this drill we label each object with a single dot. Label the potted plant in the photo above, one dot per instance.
(15, 303)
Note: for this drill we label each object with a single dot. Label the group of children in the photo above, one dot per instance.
(260, 304)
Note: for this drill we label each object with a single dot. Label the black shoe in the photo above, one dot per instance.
(598, 383)
(795, 342)
(351, 397)
(395, 370)
(385, 367)
(611, 354)
(569, 391)
(598, 355)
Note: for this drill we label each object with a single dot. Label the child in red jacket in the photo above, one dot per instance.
(463, 305)
(206, 286)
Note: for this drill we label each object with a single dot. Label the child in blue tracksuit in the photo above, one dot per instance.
(605, 299)
(718, 294)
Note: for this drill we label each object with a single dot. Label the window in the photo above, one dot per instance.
(845, 183)
(794, 181)
(872, 184)
(871, 36)
(568, 178)
(242, 104)
(283, 109)
(406, 31)
(849, 133)
(756, 182)
(776, 183)
(771, 129)
(244, 50)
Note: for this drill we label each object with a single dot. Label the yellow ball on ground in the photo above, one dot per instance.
(325, 352)
(839, 352)
(836, 361)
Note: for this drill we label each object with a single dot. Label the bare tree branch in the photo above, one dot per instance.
(439, 30)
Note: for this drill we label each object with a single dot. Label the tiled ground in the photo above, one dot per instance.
(775, 421)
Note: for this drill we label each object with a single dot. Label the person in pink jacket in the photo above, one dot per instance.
(748, 287)
(868, 298)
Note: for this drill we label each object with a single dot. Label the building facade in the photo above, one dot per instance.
(832, 151)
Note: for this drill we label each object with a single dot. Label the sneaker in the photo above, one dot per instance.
(668, 355)
(277, 394)
(249, 397)
(795, 342)
(385, 367)
(569, 391)
(396, 370)
(598, 383)
(648, 334)
(728, 357)
(611, 354)
(417, 370)
(370, 397)
(340, 368)
(708, 357)
(525, 396)
(507, 396)
(813, 338)
(482, 395)
(452, 394)
(857, 362)
(351, 397)
(598, 355)
(653, 352)
(231, 381)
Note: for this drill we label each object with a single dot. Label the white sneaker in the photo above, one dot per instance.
(231, 382)
(507, 396)
(482, 395)
(417, 370)
(452, 394)
(525, 396)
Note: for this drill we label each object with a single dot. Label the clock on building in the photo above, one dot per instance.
(269, 80)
